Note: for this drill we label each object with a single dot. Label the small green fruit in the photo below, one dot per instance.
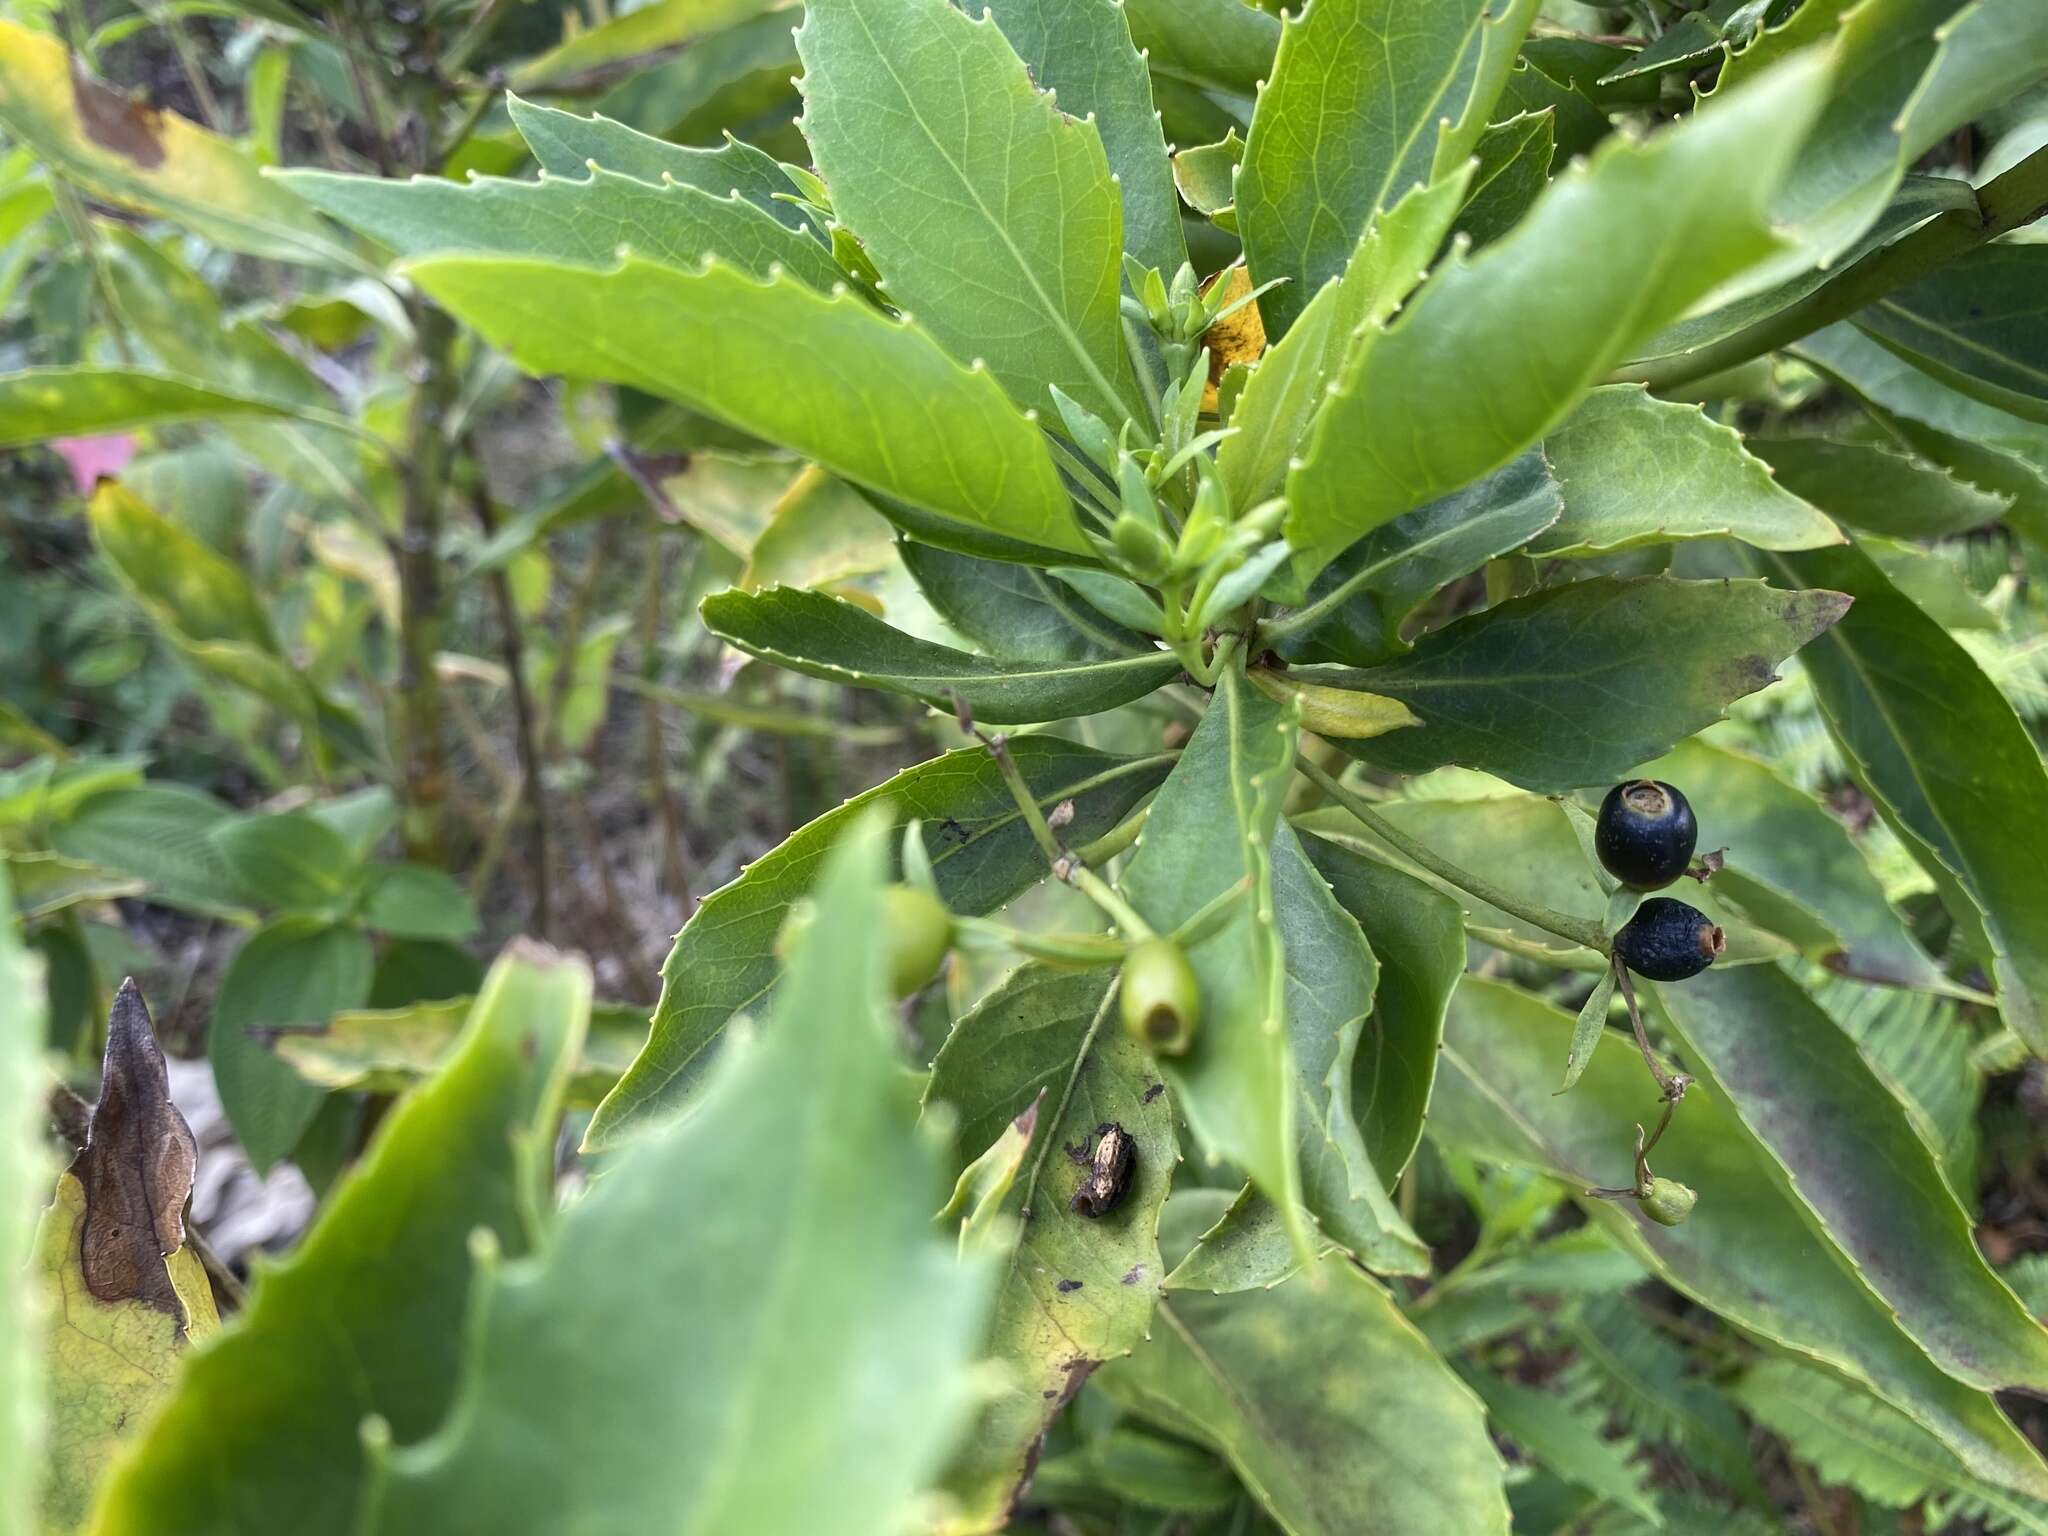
(919, 931)
(1666, 1202)
(1161, 1001)
(1143, 547)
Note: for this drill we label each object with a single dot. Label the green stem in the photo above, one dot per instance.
(2018, 197)
(1573, 929)
(1066, 866)
(1114, 841)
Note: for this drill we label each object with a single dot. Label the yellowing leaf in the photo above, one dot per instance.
(124, 1292)
(129, 153)
(1340, 712)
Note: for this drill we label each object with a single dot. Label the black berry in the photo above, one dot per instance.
(1668, 941)
(1646, 834)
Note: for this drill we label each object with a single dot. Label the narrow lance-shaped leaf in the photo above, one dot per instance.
(1941, 752)
(1748, 1251)
(1639, 470)
(1081, 51)
(990, 213)
(1076, 1289)
(1332, 1409)
(1845, 1146)
(1015, 612)
(124, 1291)
(1577, 684)
(568, 145)
(981, 851)
(1877, 489)
(38, 404)
(583, 219)
(870, 398)
(365, 1316)
(1367, 98)
(630, 33)
(1211, 830)
(1493, 352)
(779, 1243)
(129, 153)
(828, 637)
(1979, 324)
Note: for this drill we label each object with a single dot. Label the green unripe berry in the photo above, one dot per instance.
(1666, 1202)
(919, 931)
(1160, 1000)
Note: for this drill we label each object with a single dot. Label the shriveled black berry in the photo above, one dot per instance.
(1646, 834)
(1668, 941)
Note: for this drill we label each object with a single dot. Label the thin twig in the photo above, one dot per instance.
(1572, 929)
(533, 778)
(1671, 1084)
(674, 860)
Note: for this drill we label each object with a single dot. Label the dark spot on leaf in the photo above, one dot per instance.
(136, 1167)
(1068, 1287)
(1154, 1091)
(952, 831)
(1134, 1274)
(130, 128)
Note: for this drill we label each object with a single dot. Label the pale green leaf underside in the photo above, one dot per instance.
(1495, 351)
(991, 215)
(870, 398)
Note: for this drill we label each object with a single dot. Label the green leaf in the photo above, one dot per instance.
(1564, 1440)
(287, 862)
(294, 971)
(1551, 691)
(591, 220)
(124, 1292)
(1876, 489)
(870, 398)
(1075, 1290)
(390, 1050)
(1081, 52)
(1639, 470)
(1355, 609)
(991, 215)
(807, 1369)
(1859, 1441)
(1248, 1248)
(1220, 47)
(650, 28)
(1331, 977)
(23, 1114)
(1749, 1252)
(1014, 612)
(568, 145)
(417, 901)
(1418, 937)
(1978, 324)
(1777, 834)
(1494, 352)
(1366, 99)
(1845, 1146)
(132, 155)
(723, 962)
(38, 404)
(1923, 1050)
(1917, 200)
(1279, 403)
(366, 1315)
(1209, 831)
(1940, 751)
(1514, 160)
(1206, 178)
(1908, 74)
(1327, 1403)
(161, 834)
(830, 638)
(1587, 1029)
(48, 883)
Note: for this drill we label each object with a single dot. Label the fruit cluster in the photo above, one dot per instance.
(1645, 837)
